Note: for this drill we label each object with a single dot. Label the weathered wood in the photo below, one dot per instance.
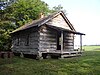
(48, 44)
(68, 44)
(26, 51)
(39, 55)
(47, 32)
(58, 21)
(68, 38)
(68, 35)
(68, 49)
(68, 41)
(80, 42)
(21, 55)
(33, 41)
(47, 39)
(62, 42)
(47, 50)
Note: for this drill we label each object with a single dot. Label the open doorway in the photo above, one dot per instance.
(58, 40)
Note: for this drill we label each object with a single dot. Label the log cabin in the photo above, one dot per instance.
(52, 35)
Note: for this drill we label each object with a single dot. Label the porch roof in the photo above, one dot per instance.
(63, 29)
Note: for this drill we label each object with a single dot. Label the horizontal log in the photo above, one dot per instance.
(68, 47)
(67, 37)
(68, 44)
(52, 48)
(48, 31)
(44, 34)
(14, 48)
(45, 28)
(48, 37)
(70, 35)
(48, 42)
(24, 46)
(68, 41)
(28, 51)
(46, 49)
(28, 47)
(47, 46)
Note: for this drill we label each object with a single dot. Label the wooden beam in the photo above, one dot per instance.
(81, 42)
(62, 42)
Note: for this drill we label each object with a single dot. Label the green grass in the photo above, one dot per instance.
(87, 64)
(91, 48)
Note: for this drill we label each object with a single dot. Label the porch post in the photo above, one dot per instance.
(62, 42)
(80, 42)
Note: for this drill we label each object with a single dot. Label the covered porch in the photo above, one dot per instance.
(61, 51)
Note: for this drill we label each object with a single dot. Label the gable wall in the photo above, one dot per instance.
(59, 22)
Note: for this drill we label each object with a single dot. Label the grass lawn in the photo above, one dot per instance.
(88, 64)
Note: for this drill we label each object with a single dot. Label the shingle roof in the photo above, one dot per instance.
(42, 21)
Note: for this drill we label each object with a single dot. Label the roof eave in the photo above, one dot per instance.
(63, 29)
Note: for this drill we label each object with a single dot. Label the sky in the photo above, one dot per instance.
(84, 16)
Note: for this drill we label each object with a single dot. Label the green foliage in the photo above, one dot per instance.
(57, 8)
(88, 64)
(5, 28)
(16, 15)
(24, 11)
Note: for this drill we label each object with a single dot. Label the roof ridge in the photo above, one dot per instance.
(41, 21)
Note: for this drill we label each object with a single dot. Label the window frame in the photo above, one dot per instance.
(27, 40)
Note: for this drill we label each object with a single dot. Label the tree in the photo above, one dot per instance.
(24, 11)
(5, 40)
(16, 15)
(58, 8)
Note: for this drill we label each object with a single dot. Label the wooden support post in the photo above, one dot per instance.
(39, 56)
(62, 42)
(80, 42)
(21, 55)
(73, 41)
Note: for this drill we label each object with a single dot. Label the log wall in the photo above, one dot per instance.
(31, 47)
(68, 41)
(47, 40)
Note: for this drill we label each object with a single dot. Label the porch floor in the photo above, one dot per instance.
(64, 53)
